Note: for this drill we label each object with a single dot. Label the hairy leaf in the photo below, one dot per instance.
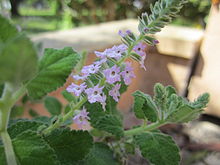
(158, 148)
(100, 154)
(69, 97)
(22, 126)
(53, 105)
(31, 148)
(144, 107)
(54, 67)
(70, 146)
(111, 124)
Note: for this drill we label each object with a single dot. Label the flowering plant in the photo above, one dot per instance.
(92, 96)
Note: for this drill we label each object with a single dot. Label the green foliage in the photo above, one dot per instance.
(53, 105)
(7, 30)
(104, 120)
(100, 154)
(33, 113)
(17, 111)
(53, 69)
(21, 126)
(162, 13)
(31, 148)
(18, 60)
(70, 146)
(158, 148)
(68, 96)
(144, 107)
(1, 89)
(111, 124)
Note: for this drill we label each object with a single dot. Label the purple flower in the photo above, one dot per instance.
(114, 92)
(100, 62)
(95, 94)
(80, 77)
(76, 89)
(112, 74)
(116, 51)
(156, 42)
(81, 119)
(140, 49)
(127, 32)
(128, 73)
(90, 69)
(101, 54)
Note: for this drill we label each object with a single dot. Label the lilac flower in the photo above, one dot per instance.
(100, 62)
(76, 89)
(128, 73)
(140, 49)
(80, 77)
(127, 32)
(116, 51)
(114, 92)
(156, 42)
(101, 54)
(95, 94)
(112, 74)
(81, 119)
(90, 69)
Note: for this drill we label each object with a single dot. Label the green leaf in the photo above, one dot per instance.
(184, 114)
(158, 148)
(111, 124)
(17, 111)
(21, 126)
(18, 60)
(33, 113)
(53, 105)
(53, 70)
(103, 120)
(100, 154)
(70, 146)
(7, 30)
(201, 102)
(30, 148)
(144, 107)
(69, 97)
(1, 89)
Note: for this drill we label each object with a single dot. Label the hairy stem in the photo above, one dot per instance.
(141, 129)
(65, 117)
(6, 102)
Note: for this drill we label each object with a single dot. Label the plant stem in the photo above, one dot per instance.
(6, 102)
(136, 131)
(9, 152)
(65, 117)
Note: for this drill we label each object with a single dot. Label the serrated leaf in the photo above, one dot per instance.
(158, 148)
(52, 105)
(16, 111)
(54, 67)
(100, 154)
(184, 114)
(70, 146)
(144, 107)
(30, 148)
(111, 124)
(18, 60)
(201, 101)
(21, 126)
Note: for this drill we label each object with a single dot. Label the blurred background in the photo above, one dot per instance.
(187, 58)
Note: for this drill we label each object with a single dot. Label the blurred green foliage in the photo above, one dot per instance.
(46, 15)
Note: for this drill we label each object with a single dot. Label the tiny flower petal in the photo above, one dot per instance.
(112, 74)
(114, 92)
(140, 49)
(128, 73)
(81, 119)
(94, 94)
(76, 89)
(90, 69)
